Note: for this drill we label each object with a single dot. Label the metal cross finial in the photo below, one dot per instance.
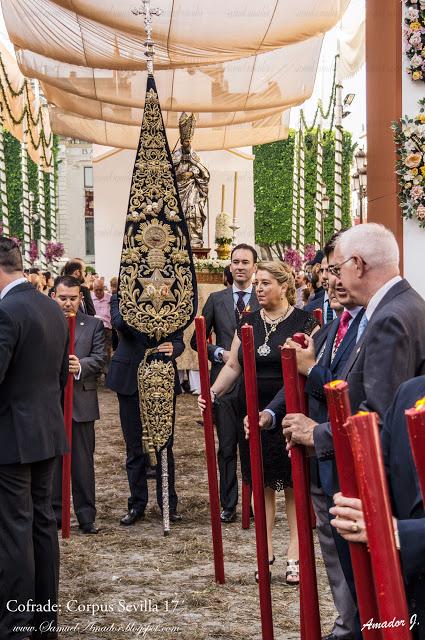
(149, 43)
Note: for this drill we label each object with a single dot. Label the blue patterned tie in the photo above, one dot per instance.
(362, 326)
(329, 312)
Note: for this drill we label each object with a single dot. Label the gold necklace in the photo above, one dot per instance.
(264, 349)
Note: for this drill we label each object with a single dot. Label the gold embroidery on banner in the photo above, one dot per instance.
(156, 287)
(156, 394)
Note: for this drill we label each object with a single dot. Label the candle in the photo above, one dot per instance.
(235, 195)
(223, 189)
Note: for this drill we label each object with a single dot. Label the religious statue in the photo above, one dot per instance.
(192, 181)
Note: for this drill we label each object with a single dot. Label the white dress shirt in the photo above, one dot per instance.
(379, 295)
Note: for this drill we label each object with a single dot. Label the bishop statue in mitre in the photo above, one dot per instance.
(192, 181)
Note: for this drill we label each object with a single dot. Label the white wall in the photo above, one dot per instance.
(73, 157)
(413, 235)
(112, 179)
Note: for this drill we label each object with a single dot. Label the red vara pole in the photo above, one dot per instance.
(201, 341)
(318, 314)
(416, 428)
(299, 339)
(68, 402)
(309, 600)
(339, 412)
(256, 458)
(246, 505)
(371, 480)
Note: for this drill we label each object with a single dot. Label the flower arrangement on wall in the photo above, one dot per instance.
(209, 265)
(54, 251)
(410, 139)
(414, 38)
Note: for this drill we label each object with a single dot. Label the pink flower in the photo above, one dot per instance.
(420, 212)
(416, 39)
(416, 192)
(293, 258)
(412, 14)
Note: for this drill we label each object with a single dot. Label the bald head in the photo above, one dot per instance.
(99, 288)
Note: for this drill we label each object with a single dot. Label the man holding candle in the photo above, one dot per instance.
(406, 499)
(222, 312)
(33, 371)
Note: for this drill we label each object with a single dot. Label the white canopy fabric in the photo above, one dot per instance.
(205, 139)
(238, 66)
(107, 35)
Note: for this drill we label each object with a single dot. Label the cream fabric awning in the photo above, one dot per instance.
(105, 34)
(206, 139)
(237, 67)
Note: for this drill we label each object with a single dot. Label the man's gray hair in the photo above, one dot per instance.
(373, 242)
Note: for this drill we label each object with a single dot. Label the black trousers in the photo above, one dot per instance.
(131, 425)
(226, 419)
(82, 475)
(29, 550)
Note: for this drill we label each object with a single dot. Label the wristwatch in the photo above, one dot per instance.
(220, 356)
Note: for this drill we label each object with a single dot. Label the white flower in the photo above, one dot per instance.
(412, 14)
(408, 176)
(222, 226)
(416, 61)
(410, 145)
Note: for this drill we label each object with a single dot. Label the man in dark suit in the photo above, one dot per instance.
(321, 298)
(86, 365)
(406, 500)
(322, 361)
(76, 269)
(122, 378)
(391, 336)
(222, 312)
(33, 371)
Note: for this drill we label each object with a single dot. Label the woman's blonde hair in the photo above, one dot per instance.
(283, 274)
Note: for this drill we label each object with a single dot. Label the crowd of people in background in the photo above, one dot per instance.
(373, 336)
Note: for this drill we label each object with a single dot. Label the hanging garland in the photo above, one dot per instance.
(410, 140)
(330, 110)
(7, 89)
(414, 34)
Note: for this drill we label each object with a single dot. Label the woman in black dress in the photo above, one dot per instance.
(272, 324)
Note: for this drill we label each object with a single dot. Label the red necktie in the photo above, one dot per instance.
(342, 329)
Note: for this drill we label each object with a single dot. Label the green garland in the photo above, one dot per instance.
(33, 186)
(7, 89)
(13, 159)
(273, 178)
(12, 155)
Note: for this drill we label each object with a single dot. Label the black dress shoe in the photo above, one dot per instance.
(89, 528)
(175, 517)
(131, 517)
(228, 515)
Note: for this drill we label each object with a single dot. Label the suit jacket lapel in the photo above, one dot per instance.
(79, 326)
(398, 288)
(348, 339)
(229, 306)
